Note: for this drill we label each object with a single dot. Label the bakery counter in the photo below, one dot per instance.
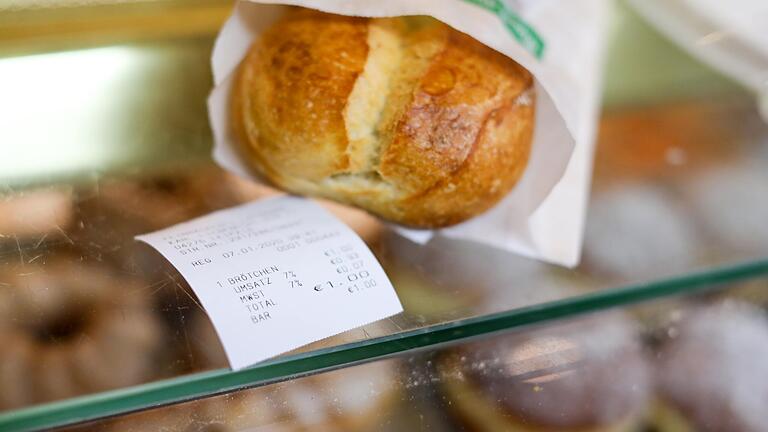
(669, 365)
(94, 324)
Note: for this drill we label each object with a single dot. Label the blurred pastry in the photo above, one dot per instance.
(133, 205)
(731, 204)
(203, 343)
(585, 375)
(405, 117)
(712, 373)
(359, 398)
(440, 280)
(117, 209)
(659, 142)
(447, 278)
(754, 291)
(67, 328)
(200, 415)
(426, 301)
(35, 214)
(354, 398)
(637, 232)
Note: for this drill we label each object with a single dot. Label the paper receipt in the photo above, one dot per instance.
(277, 274)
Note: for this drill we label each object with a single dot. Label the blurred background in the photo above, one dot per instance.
(104, 135)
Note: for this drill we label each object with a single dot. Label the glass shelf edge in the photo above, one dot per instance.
(203, 384)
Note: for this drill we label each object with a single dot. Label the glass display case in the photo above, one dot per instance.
(670, 364)
(104, 136)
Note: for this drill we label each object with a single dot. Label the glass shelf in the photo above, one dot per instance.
(673, 195)
(621, 367)
(204, 384)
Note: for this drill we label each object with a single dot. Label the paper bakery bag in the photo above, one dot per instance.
(558, 41)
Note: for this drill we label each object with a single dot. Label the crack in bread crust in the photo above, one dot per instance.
(399, 53)
(370, 94)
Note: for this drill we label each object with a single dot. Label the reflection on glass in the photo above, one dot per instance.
(699, 365)
(57, 110)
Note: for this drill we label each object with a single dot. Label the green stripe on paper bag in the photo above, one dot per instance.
(523, 33)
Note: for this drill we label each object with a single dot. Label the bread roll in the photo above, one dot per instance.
(404, 117)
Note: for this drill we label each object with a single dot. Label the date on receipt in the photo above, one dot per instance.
(277, 274)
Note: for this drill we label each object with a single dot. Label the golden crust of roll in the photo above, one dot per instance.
(404, 117)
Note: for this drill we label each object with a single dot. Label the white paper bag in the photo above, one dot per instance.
(730, 36)
(558, 41)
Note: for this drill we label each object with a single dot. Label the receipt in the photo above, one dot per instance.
(277, 274)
